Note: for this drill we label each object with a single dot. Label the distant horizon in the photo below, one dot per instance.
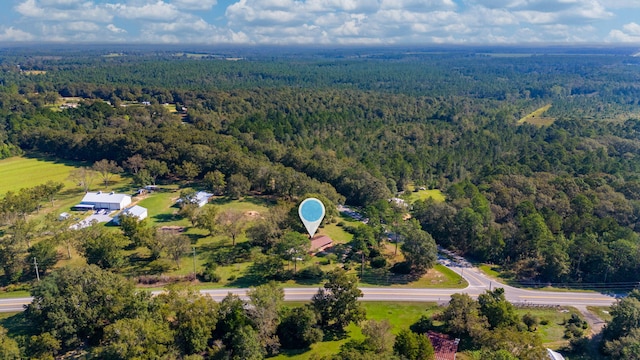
(321, 22)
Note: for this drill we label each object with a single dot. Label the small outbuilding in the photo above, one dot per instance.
(103, 200)
(320, 243)
(136, 211)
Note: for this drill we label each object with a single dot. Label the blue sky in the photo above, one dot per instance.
(321, 22)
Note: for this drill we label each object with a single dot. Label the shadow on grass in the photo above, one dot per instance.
(18, 325)
(334, 335)
(294, 352)
(164, 218)
(194, 237)
(45, 157)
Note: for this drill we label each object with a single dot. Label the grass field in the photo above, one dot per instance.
(536, 118)
(25, 172)
(435, 194)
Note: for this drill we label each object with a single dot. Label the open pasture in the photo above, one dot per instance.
(24, 172)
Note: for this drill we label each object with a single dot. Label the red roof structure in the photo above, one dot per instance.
(320, 243)
(444, 347)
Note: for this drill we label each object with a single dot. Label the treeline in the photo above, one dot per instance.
(100, 315)
(360, 130)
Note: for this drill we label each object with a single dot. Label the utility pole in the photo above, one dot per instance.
(194, 261)
(35, 262)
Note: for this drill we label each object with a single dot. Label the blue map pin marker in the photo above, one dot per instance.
(311, 213)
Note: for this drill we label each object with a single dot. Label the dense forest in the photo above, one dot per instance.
(555, 203)
(551, 195)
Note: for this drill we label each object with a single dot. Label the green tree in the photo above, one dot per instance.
(191, 316)
(214, 182)
(156, 169)
(143, 178)
(266, 303)
(45, 253)
(188, 170)
(337, 302)
(238, 186)
(412, 346)
(293, 246)
(174, 244)
(462, 317)
(83, 177)
(245, 345)
(107, 169)
(498, 311)
(207, 219)
(625, 317)
(232, 318)
(104, 248)
(43, 346)
(137, 338)
(419, 248)
(298, 329)
(378, 336)
(134, 164)
(231, 223)
(9, 349)
(99, 298)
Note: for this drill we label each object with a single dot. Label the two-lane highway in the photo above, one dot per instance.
(478, 283)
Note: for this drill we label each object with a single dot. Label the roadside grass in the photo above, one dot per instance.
(14, 294)
(601, 311)
(535, 118)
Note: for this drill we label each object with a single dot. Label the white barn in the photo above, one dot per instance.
(103, 200)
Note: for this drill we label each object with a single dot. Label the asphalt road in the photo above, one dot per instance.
(478, 283)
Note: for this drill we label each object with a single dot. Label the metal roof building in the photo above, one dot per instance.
(104, 200)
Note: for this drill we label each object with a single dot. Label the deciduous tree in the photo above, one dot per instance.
(336, 303)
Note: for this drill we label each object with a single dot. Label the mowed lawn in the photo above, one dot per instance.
(435, 194)
(21, 172)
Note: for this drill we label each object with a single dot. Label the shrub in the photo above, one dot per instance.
(401, 268)
(423, 325)
(378, 262)
(160, 266)
(311, 272)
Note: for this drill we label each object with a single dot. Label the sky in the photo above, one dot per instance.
(321, 22)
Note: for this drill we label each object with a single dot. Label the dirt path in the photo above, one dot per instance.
(596, 324)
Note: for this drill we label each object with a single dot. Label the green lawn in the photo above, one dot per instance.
(414, 196)
(25, 172)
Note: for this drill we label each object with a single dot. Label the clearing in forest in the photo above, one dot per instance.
(23, 172)
(535, 118)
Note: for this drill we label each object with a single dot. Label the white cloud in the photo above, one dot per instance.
(630, 33)
(158, 10)
(82, 26)
(13, 34)
(632, 28)
(87, 11)
(115, 29)
(195, 4)
(419, 5)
